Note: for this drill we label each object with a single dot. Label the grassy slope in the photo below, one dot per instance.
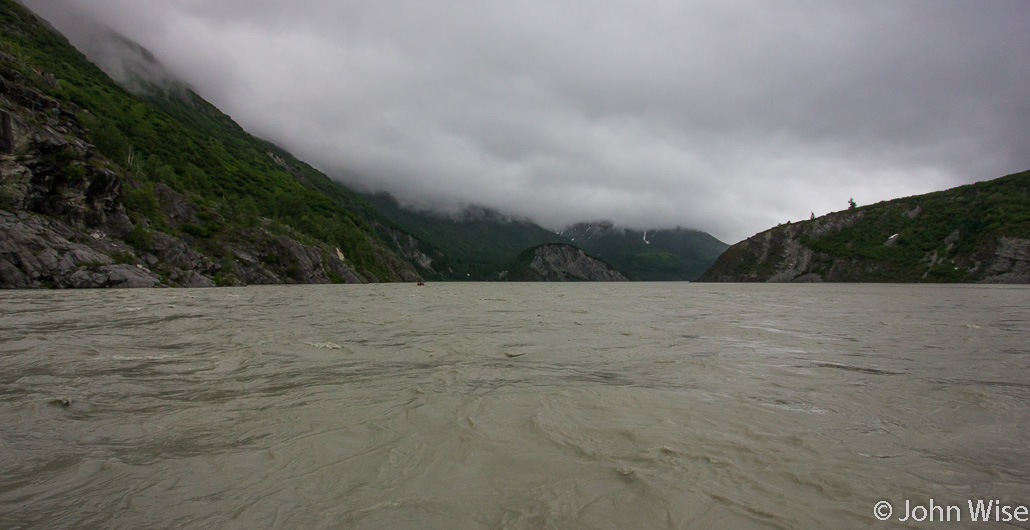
(188, 144)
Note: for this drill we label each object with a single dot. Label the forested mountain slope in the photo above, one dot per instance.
(103, 187)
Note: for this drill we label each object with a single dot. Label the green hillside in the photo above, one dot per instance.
(175, 138)
(973, 233)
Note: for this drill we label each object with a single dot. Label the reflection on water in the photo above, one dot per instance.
(509, 405)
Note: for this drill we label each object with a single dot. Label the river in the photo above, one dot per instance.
(511, 406)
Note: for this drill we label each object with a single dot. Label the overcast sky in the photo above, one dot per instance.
(729, 117)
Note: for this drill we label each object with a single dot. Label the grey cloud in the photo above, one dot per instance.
(728, 117)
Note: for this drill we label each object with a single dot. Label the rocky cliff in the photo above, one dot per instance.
(974, 233)
(560, 263)
(63, 220)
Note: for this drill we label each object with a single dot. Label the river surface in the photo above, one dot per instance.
(512, 406)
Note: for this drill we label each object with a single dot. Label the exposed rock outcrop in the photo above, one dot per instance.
(36, 251)
(1009, 261)
(408, 248)
(778, 254)
(64, 224)
(560, 263)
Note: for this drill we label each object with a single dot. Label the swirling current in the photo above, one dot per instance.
(510, 406)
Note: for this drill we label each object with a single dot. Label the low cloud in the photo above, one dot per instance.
(726, 118)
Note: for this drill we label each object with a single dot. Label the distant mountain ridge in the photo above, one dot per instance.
(649, 255)
(483, 244)
(476, 244)
(974, 233)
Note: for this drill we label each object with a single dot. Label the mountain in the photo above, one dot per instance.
(103, 187)
(483, 244)
(477, 244)
(648, 255)
(974, 233)
(559, 262)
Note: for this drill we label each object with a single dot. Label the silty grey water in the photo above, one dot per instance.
(509, 405)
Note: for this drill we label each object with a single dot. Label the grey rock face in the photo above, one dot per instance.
(113, 276)
(1011, 263)
(410, 248)
(560, 263)
(41, 252)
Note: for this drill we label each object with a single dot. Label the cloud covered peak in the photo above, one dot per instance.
(727, 117)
